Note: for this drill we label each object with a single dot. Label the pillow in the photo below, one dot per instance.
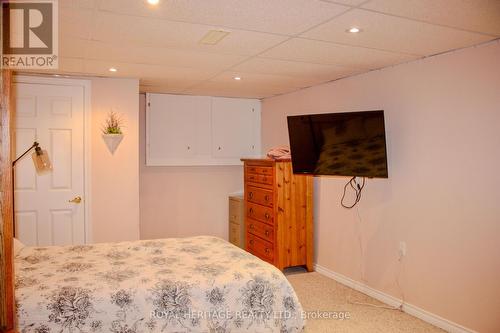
(18, 246)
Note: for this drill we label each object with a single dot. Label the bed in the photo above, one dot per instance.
(198, 284)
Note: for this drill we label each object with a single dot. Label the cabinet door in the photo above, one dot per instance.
(177, 131)
(235, 124)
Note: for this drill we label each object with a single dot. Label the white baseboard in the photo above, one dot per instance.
(413, 310)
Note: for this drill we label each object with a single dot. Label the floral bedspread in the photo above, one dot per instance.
(198, 284)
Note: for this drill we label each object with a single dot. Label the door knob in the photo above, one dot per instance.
(76, 200)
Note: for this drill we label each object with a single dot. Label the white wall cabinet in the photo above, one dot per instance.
(200, 130)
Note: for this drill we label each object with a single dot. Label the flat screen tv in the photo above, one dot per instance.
(343, 144)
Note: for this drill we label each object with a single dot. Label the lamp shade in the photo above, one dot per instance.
(41, 161)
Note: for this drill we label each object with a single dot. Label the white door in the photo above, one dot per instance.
(52, 115)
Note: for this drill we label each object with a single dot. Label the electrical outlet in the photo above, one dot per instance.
(402, 250)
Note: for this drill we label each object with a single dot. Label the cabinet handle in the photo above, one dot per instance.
(266, 197)
(251, 242)
(267, 216)
(251, 210)
(251, 226)
(250, 195)
(264, 178)
(267, 250)
(267, 233)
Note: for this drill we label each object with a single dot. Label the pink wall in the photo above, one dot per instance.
(184, 201)
(442, 195)
(115, 178)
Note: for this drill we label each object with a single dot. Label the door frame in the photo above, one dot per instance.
(87, 137)
(7, 304)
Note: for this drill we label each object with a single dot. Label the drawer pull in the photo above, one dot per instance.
(267, 250)
(251, 242)
(266, 197)
(251, 210)
(264, 179)
(251, 226)
(267, 233)
(267, 216)
(250, 195)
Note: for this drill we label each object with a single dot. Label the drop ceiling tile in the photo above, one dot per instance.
(318, 72)
(220, 92)
(161, 89)
(89, 4)
(263, 80)
(166, 86)
(71, 65)
(67, 66)
(255, 15)
(141, 31)
(352, 3)
(166, 82)
(474, 15)
(227, 90)
(318, 52)
(144, 71)
(392, 33)
(75, 22)
(72, 47)
(161, 56)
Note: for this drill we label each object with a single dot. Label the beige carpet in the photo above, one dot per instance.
(319, 293)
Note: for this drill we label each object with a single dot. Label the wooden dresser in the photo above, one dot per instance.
(278, 213)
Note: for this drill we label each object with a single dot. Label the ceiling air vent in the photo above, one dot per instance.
(213, 37)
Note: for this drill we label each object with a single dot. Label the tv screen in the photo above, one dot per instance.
(344, 144)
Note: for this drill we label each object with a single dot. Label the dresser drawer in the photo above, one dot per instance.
(264, 231)
(260, 248)
(234, 234)
(260, 196)
(262, 170)
(258, 178)
(261, 213)
(235, 211)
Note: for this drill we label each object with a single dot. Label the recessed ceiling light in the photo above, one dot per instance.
(354, 30)
(153, 2)
(112, 69)
(237, 78)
